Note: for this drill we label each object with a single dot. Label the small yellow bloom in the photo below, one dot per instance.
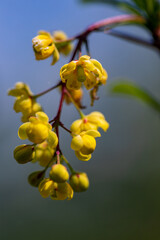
(76, 95)
(19, 90)
(44, 153)
(57, 191)
(60, 39)
(62, 191)
(24, 102)
(93, 121)
(38, 130)
(35, 107)
(59, 173)
(79, 182)
(85, 70)
(46, 187)
(84, 144)
(44, 47)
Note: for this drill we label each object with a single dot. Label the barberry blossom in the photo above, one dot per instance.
(93, 121)
(24, 102)
(57, 191)
(79, 181)
(44, 47)
(38, 130)
(84, 144)
(85, 70)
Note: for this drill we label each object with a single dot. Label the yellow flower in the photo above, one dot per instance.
(79, 182)
(76, 95)
(104, 77)
(60, 39)
(85, 70)
(35, 107)
(59, 173)
(44, 47)
(84, 144)
(62, 191)
(57, 191)
(93, 121)
(19, 90)
(38, 130)
(46, 187)
(44, 153)
(24, 102)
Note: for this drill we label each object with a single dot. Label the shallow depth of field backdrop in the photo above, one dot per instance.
(123, 201)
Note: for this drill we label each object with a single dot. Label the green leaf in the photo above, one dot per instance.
(131, 89)
(124, 5)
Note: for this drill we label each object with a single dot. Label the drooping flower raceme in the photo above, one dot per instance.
(85, 70)
(92, 121)
(44, 147)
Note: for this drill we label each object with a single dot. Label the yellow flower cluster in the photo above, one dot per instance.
(84, 132)
(44, 140)
(24, 103)
(39, 132)
(36, 127)
(85, 70)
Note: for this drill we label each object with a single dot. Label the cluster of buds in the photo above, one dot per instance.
(44, 133)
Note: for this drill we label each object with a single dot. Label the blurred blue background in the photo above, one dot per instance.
(123, 201)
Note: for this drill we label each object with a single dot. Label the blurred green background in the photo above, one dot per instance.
(123, 201)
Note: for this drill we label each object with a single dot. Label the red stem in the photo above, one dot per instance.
(57, 118)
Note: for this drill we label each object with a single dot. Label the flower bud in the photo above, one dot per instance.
(59, 173)
(79, 182)
(46, 187)
(23, 153)
(37, 133)
(43, 154)
(35, 178)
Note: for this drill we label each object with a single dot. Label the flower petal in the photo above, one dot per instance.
(76, 143)
(82, 157)
(76, 125)
(42, 117)
(93, 133)
(52, 139)
(22, 131)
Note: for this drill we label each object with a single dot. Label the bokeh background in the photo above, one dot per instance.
(123, 201)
